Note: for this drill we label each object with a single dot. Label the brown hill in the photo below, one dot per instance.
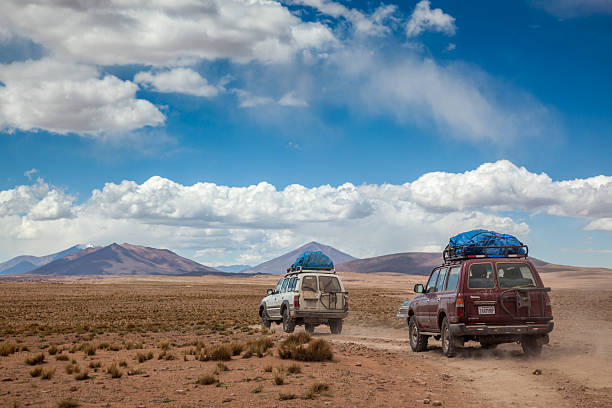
(416, 263)
(125, 259)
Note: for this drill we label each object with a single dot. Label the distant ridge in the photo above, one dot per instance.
(125, 260)
(415, 263)
(233, 268)
(280, 264)
(26, 263)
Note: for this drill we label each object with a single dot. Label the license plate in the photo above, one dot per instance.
(486, 310)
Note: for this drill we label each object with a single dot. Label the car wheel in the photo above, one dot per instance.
(310, 328)
(449, 347)
(288, 324)
(335, 326)
(265, 320)
(418, 342)
(531, 346)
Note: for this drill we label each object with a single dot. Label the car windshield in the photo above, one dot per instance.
(515, 274)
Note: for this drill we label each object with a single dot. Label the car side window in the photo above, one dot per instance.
(453, 278)
(292, 283)
(278, 286)
(284, 287)
(431, 284)
(441, 280)
(309, 283)
(481, 276)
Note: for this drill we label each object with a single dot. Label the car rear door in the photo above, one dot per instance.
(522, 296)
(309, 291)
(482, 295)
(332, 296)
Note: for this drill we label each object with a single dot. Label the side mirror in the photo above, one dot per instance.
(418, 288)
(270, 291)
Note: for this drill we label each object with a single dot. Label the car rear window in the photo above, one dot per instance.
(481, 276)
(515, 274)
(453, 278)
(329, 284)
(309, 283)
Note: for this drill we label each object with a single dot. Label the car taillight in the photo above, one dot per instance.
(296, 301)
(460, 306)
(346, 303)
(548, 305)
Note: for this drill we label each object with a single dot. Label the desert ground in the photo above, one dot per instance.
(146, 342)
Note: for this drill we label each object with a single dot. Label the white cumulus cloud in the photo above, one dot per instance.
(423, 18)
(179, 80)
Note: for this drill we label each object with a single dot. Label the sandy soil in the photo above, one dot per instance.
(373, 364)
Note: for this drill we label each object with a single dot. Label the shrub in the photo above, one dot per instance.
(36, 372)
(315, 350)
(67, 403)
(53, 349)
(236, 347)
(142, 357)
(36, 359)
(72, 368)
(259, 346)
(48, 374)
(95, 364)
(279, 378)
(89, 349)
(221, 352)
(165, 355)
(206, 379)
(7, 348)
(84, 375)
(114, 371)
(294, 368)
(61, 357)
(285, 396)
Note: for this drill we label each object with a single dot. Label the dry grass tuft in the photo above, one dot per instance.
(7, 348)
(268, 368)
(114, 371)
(221, 367)
(83, 375)
(36, 359)
(89, 349)
(53, 349)
(123, 364)
(135, 371)
(36, 372)
(279, 378)
(165, 355)
(68, 403)
(257, 389)
(142, 357)
(294, 348)
(164, 345)
(285, 396)
(95, 364)
(294, 368)
(236, 347)
(207, 379)
(316, 389)
(61, 357)
(259, 346)
(48, 374)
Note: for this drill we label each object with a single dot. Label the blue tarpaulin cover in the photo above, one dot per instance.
(471, 243)
(313, 259)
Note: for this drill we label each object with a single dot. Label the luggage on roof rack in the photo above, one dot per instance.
(312, 260)
(483, 244)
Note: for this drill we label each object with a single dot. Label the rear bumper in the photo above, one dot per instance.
(461, 329)
(317, 315)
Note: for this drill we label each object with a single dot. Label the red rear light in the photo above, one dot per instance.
(346, 303)
(296, 301)
(548, 305)
(460, 306)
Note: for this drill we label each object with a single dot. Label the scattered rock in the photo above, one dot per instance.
(180, 391)
(537, 371)
(358, 364)
(436, 403)
(426, 401)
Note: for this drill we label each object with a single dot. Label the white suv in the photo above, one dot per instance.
(306, 296)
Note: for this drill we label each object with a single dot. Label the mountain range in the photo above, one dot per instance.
(26, 263)
(280, 264)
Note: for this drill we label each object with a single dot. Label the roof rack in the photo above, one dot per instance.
(470, 252)
(302, 269)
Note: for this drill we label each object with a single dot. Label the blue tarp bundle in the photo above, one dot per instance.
(471, 243)
(313, 259)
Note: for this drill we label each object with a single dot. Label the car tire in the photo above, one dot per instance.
(288, 324)
(418, 342)
(265, 320)
(335, 326)
(310, 328)
(531, 346)
(449, 343)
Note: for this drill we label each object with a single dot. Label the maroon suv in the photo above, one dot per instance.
(485, 299)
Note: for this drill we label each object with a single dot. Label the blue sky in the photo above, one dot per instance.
(441, 116)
